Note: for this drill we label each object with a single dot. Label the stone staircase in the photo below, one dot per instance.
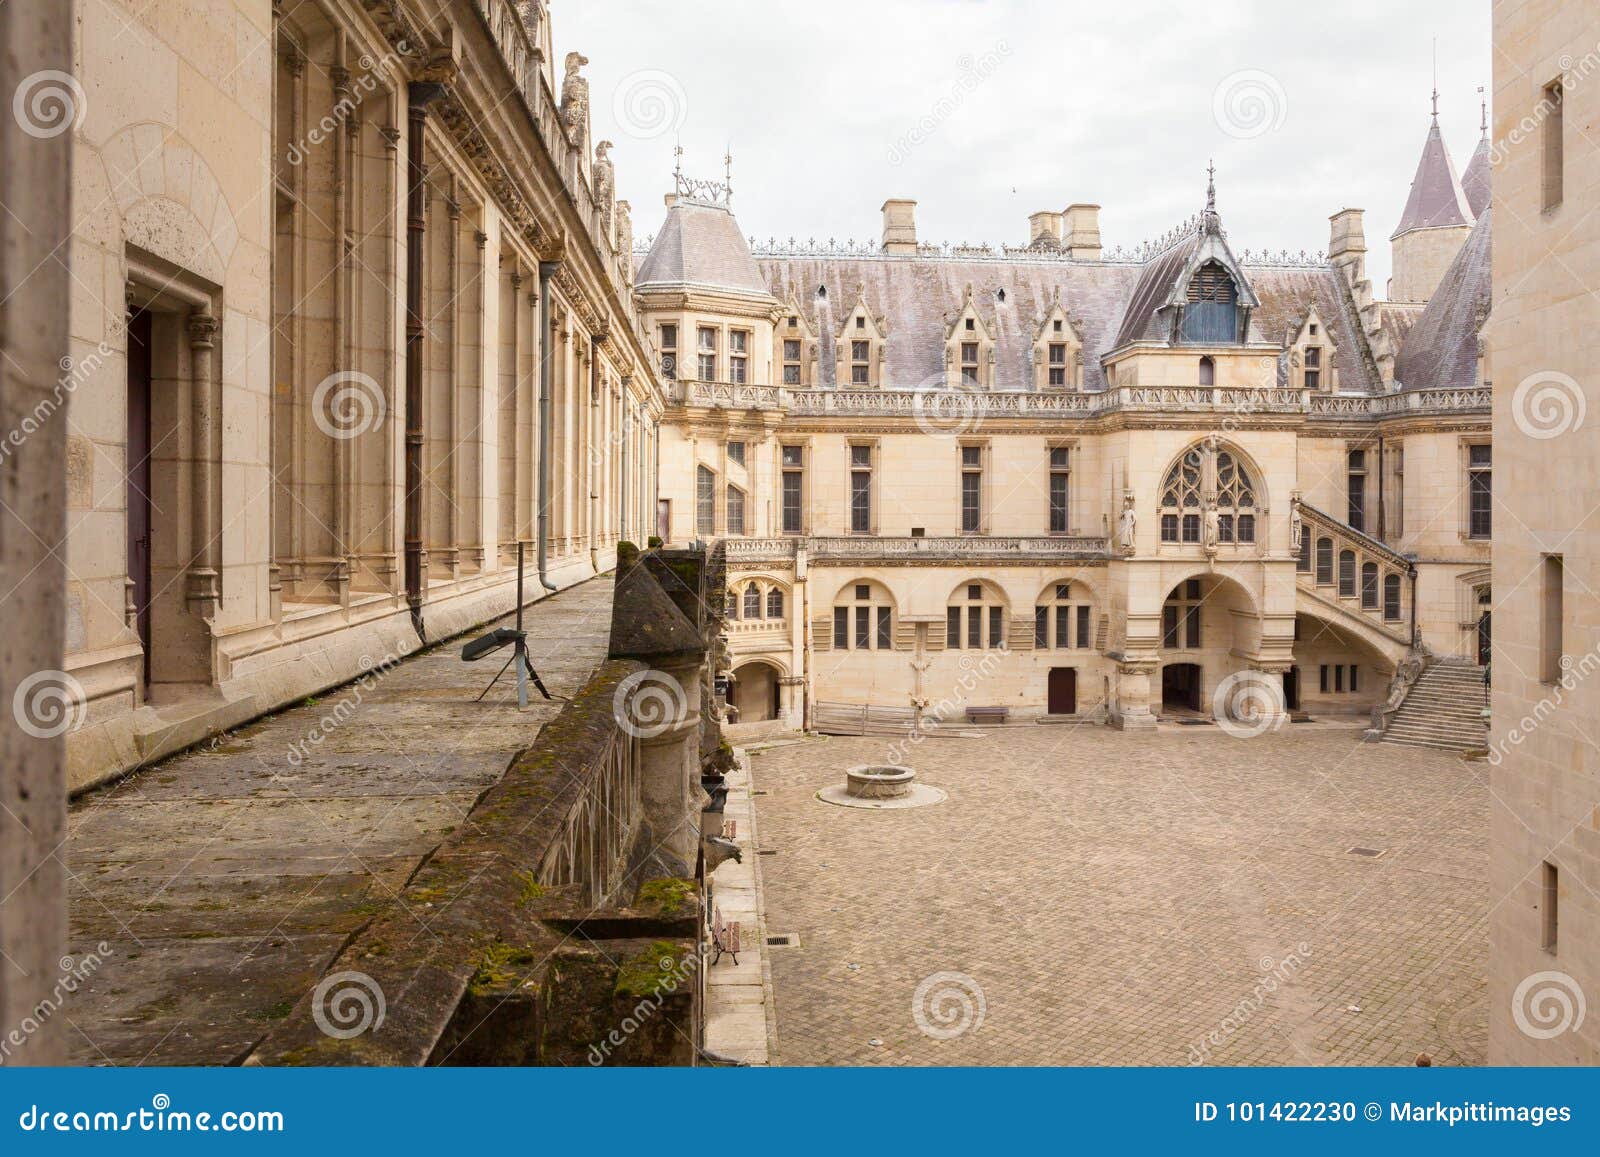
(1443, 709)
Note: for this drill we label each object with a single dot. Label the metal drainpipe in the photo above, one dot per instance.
(1383, 527)
(547, 270)
(595, 341)
(418, 97)
(627, 436)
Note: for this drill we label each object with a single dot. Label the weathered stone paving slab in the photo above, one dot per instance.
(224, 880)
(1107, 899)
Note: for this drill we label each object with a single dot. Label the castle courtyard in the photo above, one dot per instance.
(1087, 897)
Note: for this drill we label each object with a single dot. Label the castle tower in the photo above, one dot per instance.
(1435, 223)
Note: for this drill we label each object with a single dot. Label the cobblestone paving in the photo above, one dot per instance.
(224, 880)
(1109, 899)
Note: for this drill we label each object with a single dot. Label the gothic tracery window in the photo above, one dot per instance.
(1200, 476)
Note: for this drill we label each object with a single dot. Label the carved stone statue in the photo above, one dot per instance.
(624, 239)
(605, 183)
(1297, 527)
(1129, 524)
(1213, 533)
(575, 98)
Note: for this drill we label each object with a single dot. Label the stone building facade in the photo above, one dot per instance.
(1067, 481)
(1544, 880)
(350, 322)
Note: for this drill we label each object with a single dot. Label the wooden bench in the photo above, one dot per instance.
(724, 937)
(988, 714)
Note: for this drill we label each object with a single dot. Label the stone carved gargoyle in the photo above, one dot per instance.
(718, 850)
(575, 98)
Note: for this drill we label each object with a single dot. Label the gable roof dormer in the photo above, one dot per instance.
(969, 346)
(861, 345)
(1194, 291)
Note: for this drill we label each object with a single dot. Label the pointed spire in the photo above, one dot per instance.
(1436, 199)
(1211, 221)
(1475, 179)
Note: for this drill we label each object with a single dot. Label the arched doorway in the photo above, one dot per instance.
(755, 692)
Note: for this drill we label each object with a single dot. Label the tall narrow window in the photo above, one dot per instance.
(863, 628)
(738, 356)
(1304, 563)
(775, 603)
(860, 489)
(1554, 158)
(1356, 489)
(1369, 586)
(885, 628)
(736, 452)
(791, 361)
(669, 352)
(1480, 491)
(1324, 561)
(971, 489)
(1394, 506)
(1347, 574)
(793, 487)
(752, 601)
(707, 349)
(841, 628)
(1313, 354)
(705, 502)
(1058, 364)
(1058, 490)
(952, 627)
(1391, 598)
(1549, 899)
(969, 363)
(1552, 614)
(735, 511)
(1208, 372)
(860, 362)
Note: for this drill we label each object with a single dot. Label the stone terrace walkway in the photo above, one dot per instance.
(224, 880)
(1107, 899)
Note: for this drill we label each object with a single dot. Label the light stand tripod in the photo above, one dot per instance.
(518, 638)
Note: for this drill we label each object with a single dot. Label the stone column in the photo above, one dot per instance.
(204, 589)
(36, 189)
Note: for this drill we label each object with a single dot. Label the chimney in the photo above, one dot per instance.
(1081, 232)
(899, 226)
(1044, 230)
(669, 200)
(1347, 244)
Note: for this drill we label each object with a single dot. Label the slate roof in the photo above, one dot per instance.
(1441, 349)
(1475, 181)
(700, 246)
(917, 295)
(1436, 199)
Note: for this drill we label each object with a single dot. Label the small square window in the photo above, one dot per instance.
(970, 324)
(1058, 457)
(861, 455)
(863, 592)
(793, 455)
(972, 455)
(861, 323)
(1057, 326)
(974, 592)
(1063, 591)
(794, 322)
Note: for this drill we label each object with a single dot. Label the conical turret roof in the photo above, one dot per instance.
(1437, 199)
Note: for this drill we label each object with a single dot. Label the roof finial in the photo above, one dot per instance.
(1435, 80)
(1211, 186)
(677, 163)
(1483, 105)
(727, 170)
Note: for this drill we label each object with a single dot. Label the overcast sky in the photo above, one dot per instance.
(986, 111)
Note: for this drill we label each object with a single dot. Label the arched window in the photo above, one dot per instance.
(1304, 563)
(1325, 561)
(775, 603)
(863, 618)
(1208, 372)
(975, 618)
(1369, 586)
(733, 605)
(1211, 314)
(1347, 574)
(1062, 618)
(1206, 473)
(752, 601)
(1391, 597)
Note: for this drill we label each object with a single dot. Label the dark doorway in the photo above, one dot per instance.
(138, 475)
(1063, 691)
(1180, 686)
(1483, 639)
(1291, 688)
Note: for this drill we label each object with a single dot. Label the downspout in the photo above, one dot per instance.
(420, 95)
(593, 440)
(1383, 528)
(547, 270)
(624, 417)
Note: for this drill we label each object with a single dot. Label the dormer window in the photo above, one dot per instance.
(859, 346)
(860, 362)
(1056, 325)
(1313, 366)
(861, 323)
(969, 362)
(706, 346)
(1211, 315)
(738, 355)
(791, 361)
(971, 325)
(1057, 352)
(1058, 364)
